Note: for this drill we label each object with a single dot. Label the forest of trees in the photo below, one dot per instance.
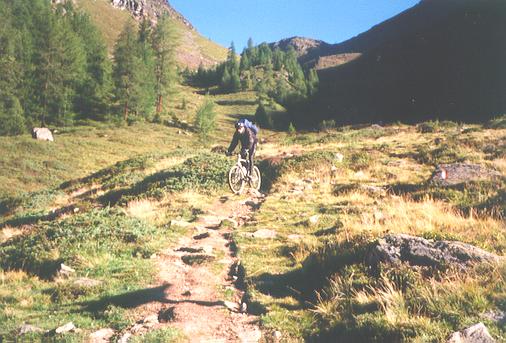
(275, 74)
(54, 67)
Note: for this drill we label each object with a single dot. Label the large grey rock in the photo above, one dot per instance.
(457, 173)
(101, 336)
(69, 327)
(42, 134)
(417, 251)
(27, 328)
(477, 333)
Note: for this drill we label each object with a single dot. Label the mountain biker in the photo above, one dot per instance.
(248, 139)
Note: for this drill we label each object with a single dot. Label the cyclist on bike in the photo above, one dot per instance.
(248, 139)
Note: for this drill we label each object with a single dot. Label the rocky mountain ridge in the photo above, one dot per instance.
(150, 8)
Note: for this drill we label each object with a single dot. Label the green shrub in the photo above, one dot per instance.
(327, 125)
(99, 231)
(359, 160)
(205, 119)
(202, 172)
(497, 123)
(445, 153)
(11, 117)
(263, 118)
(291, 129)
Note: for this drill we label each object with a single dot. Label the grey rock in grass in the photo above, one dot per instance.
(417, 251)
(65, 271)
(69, 327)
(27, 328)
(477, 333)
(496, 316)
(262, 234)
(458, 173)
(42, 134)
(101, 336)
(86, 283)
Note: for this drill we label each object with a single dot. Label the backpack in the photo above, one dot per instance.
(250, 125)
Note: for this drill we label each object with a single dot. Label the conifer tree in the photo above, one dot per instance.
(165, 42)
(126, 67)
(144, 94)
(60, 65)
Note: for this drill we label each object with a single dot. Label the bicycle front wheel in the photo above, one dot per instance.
(236, 180)
(256, 179)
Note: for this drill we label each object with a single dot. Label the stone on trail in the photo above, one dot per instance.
(417, 251)
(167, 315)
(180, 223)
(201, 236)
(190, 250)
(477, 333)
(232, 306)
(197, 259)
(101, 336)
(42, 134)
(458, 173)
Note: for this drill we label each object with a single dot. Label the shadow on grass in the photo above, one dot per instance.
(239, 102)
(141, 297)
(35, 218)
(303, 282)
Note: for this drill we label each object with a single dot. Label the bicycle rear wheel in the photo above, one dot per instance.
(236, 180)
(256, 179)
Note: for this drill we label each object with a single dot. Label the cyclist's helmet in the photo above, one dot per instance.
(239, 124)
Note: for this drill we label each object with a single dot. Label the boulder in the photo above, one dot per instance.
(65, 271)
(27, 328)
(457, 173)
(477, 333)
(417, 251)
(69, 327)
(101, 336)
(262, 234)
(42, 134)
(87, 283)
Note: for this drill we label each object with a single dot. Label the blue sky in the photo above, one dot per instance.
(333, 21)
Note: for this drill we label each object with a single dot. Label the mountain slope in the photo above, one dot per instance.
(440, 59)
(111, 15)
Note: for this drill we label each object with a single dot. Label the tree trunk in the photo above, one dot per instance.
(159, 104)
(126, 111)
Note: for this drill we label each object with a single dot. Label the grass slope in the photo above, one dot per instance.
(106, 197)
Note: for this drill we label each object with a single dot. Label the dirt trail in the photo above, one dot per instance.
(195, 276)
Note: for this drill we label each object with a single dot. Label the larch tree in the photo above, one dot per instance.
(165, 40)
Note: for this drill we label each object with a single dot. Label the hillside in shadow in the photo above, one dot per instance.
(438, 60)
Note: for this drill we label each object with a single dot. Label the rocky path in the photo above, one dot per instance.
(199, 280)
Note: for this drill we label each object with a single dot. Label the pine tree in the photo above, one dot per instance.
(95, 91)
(60, 65)
(277, 59)
(144, 92)
(312, 82)
(126, 67)
(165, 43)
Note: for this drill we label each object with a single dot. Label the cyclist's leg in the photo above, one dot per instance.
(244, 155)
(251, 156)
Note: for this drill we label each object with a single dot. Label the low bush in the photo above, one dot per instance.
(71, 240)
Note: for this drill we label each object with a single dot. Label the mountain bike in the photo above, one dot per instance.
(238, 176)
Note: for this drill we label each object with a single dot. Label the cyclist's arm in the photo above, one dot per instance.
(233, 144)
